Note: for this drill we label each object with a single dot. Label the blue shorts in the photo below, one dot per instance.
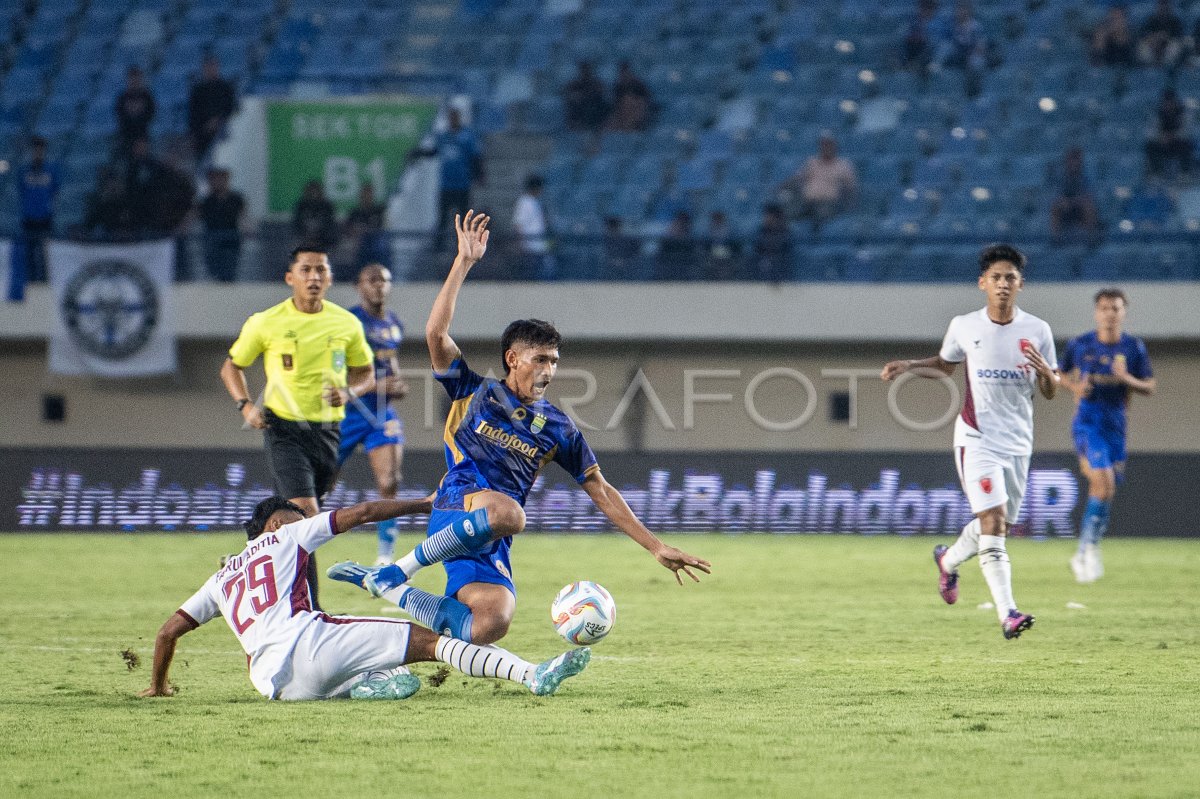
(358, 429)
(492, 565)
(1102, 446)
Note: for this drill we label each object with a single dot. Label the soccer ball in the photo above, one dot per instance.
(583, 612)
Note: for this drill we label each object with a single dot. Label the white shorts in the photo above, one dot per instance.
(334, 651)
(990, 479)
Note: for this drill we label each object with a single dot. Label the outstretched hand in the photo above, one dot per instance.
(679, 561)
(472, 235)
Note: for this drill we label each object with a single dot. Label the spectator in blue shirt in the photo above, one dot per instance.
(37, 186)
(462, 165)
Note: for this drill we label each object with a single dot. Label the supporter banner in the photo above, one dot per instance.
(113, 314)
(875, 493)
(344, 143)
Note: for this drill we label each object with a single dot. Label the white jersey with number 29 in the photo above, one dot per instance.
(997, 410)
(263, 594)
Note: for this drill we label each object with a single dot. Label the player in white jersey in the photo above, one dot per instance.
(295, 652)
(1006, 354)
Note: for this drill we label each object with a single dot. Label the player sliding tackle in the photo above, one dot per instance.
(1001, 348)
(498, 434)
(297, 653)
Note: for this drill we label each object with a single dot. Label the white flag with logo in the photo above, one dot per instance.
(112, 305)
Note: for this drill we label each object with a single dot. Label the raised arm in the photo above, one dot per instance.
(472, 244)
(172, 630)
(609, 500)
(348, 518)
(894, 369)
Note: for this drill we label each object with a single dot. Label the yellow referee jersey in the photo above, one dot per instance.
(302, 354)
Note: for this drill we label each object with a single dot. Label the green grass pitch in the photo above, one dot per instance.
(804, 666)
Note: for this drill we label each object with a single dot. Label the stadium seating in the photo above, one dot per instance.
(741, 91)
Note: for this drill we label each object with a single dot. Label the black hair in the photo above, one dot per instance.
(264, 510)
(994, 253)
(532, 333)
(313, 248)
(1112, 293)
(534, 182)
(37, 141)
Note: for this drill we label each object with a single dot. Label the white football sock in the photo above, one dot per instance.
(482, 661)
(997, 571)
(965, 548)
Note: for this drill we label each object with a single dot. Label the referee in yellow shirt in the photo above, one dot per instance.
(316, 358)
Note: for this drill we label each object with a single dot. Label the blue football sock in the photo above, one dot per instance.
(466, 536)
(386, 531)
(1095, 522)
(444, 615)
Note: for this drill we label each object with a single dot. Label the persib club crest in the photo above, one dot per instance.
(110, 308)
(539, 421)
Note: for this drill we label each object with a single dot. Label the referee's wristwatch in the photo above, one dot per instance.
(242, 403)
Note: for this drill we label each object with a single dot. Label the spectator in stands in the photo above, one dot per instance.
(721, 248)
(827, 184)
(620, 251)
(134, 109)
(364, 232)
(677, 253)
(1170, 140)
(964, 45)
(1074, 209)
(211, 103)
(584, 104)
(631, 101)
(1160, 42)
(221, 213)
(38, 182)
(143, 177)
(108, 214)
(532, 226)
(1112, 41)
(461, 167)
(772, 246)
(313, 219)
(921, 36)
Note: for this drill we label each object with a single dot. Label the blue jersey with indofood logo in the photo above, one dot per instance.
(383, 337)
(1105, 405)
(494, 441)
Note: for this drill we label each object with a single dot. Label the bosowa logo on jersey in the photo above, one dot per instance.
(110, 308)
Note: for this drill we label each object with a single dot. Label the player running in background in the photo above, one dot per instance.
(1101, 369)
(499, 434)
(1006, 353)
(297, 653)
(370, 419)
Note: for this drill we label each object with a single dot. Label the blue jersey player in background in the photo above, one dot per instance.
(1101, 369)
(499, 434)
(370, 420)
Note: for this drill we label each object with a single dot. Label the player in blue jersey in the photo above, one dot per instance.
(1102, 369)
(370, 420)
(498, 434)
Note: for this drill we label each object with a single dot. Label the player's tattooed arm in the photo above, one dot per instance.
(473, 236)
(610, 502)
(894, 369)
(172, 630)
(348, 518)
(1120, 370)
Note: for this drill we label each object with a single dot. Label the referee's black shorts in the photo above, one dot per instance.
(302, 456)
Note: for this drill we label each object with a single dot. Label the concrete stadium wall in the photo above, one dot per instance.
(192, 410)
